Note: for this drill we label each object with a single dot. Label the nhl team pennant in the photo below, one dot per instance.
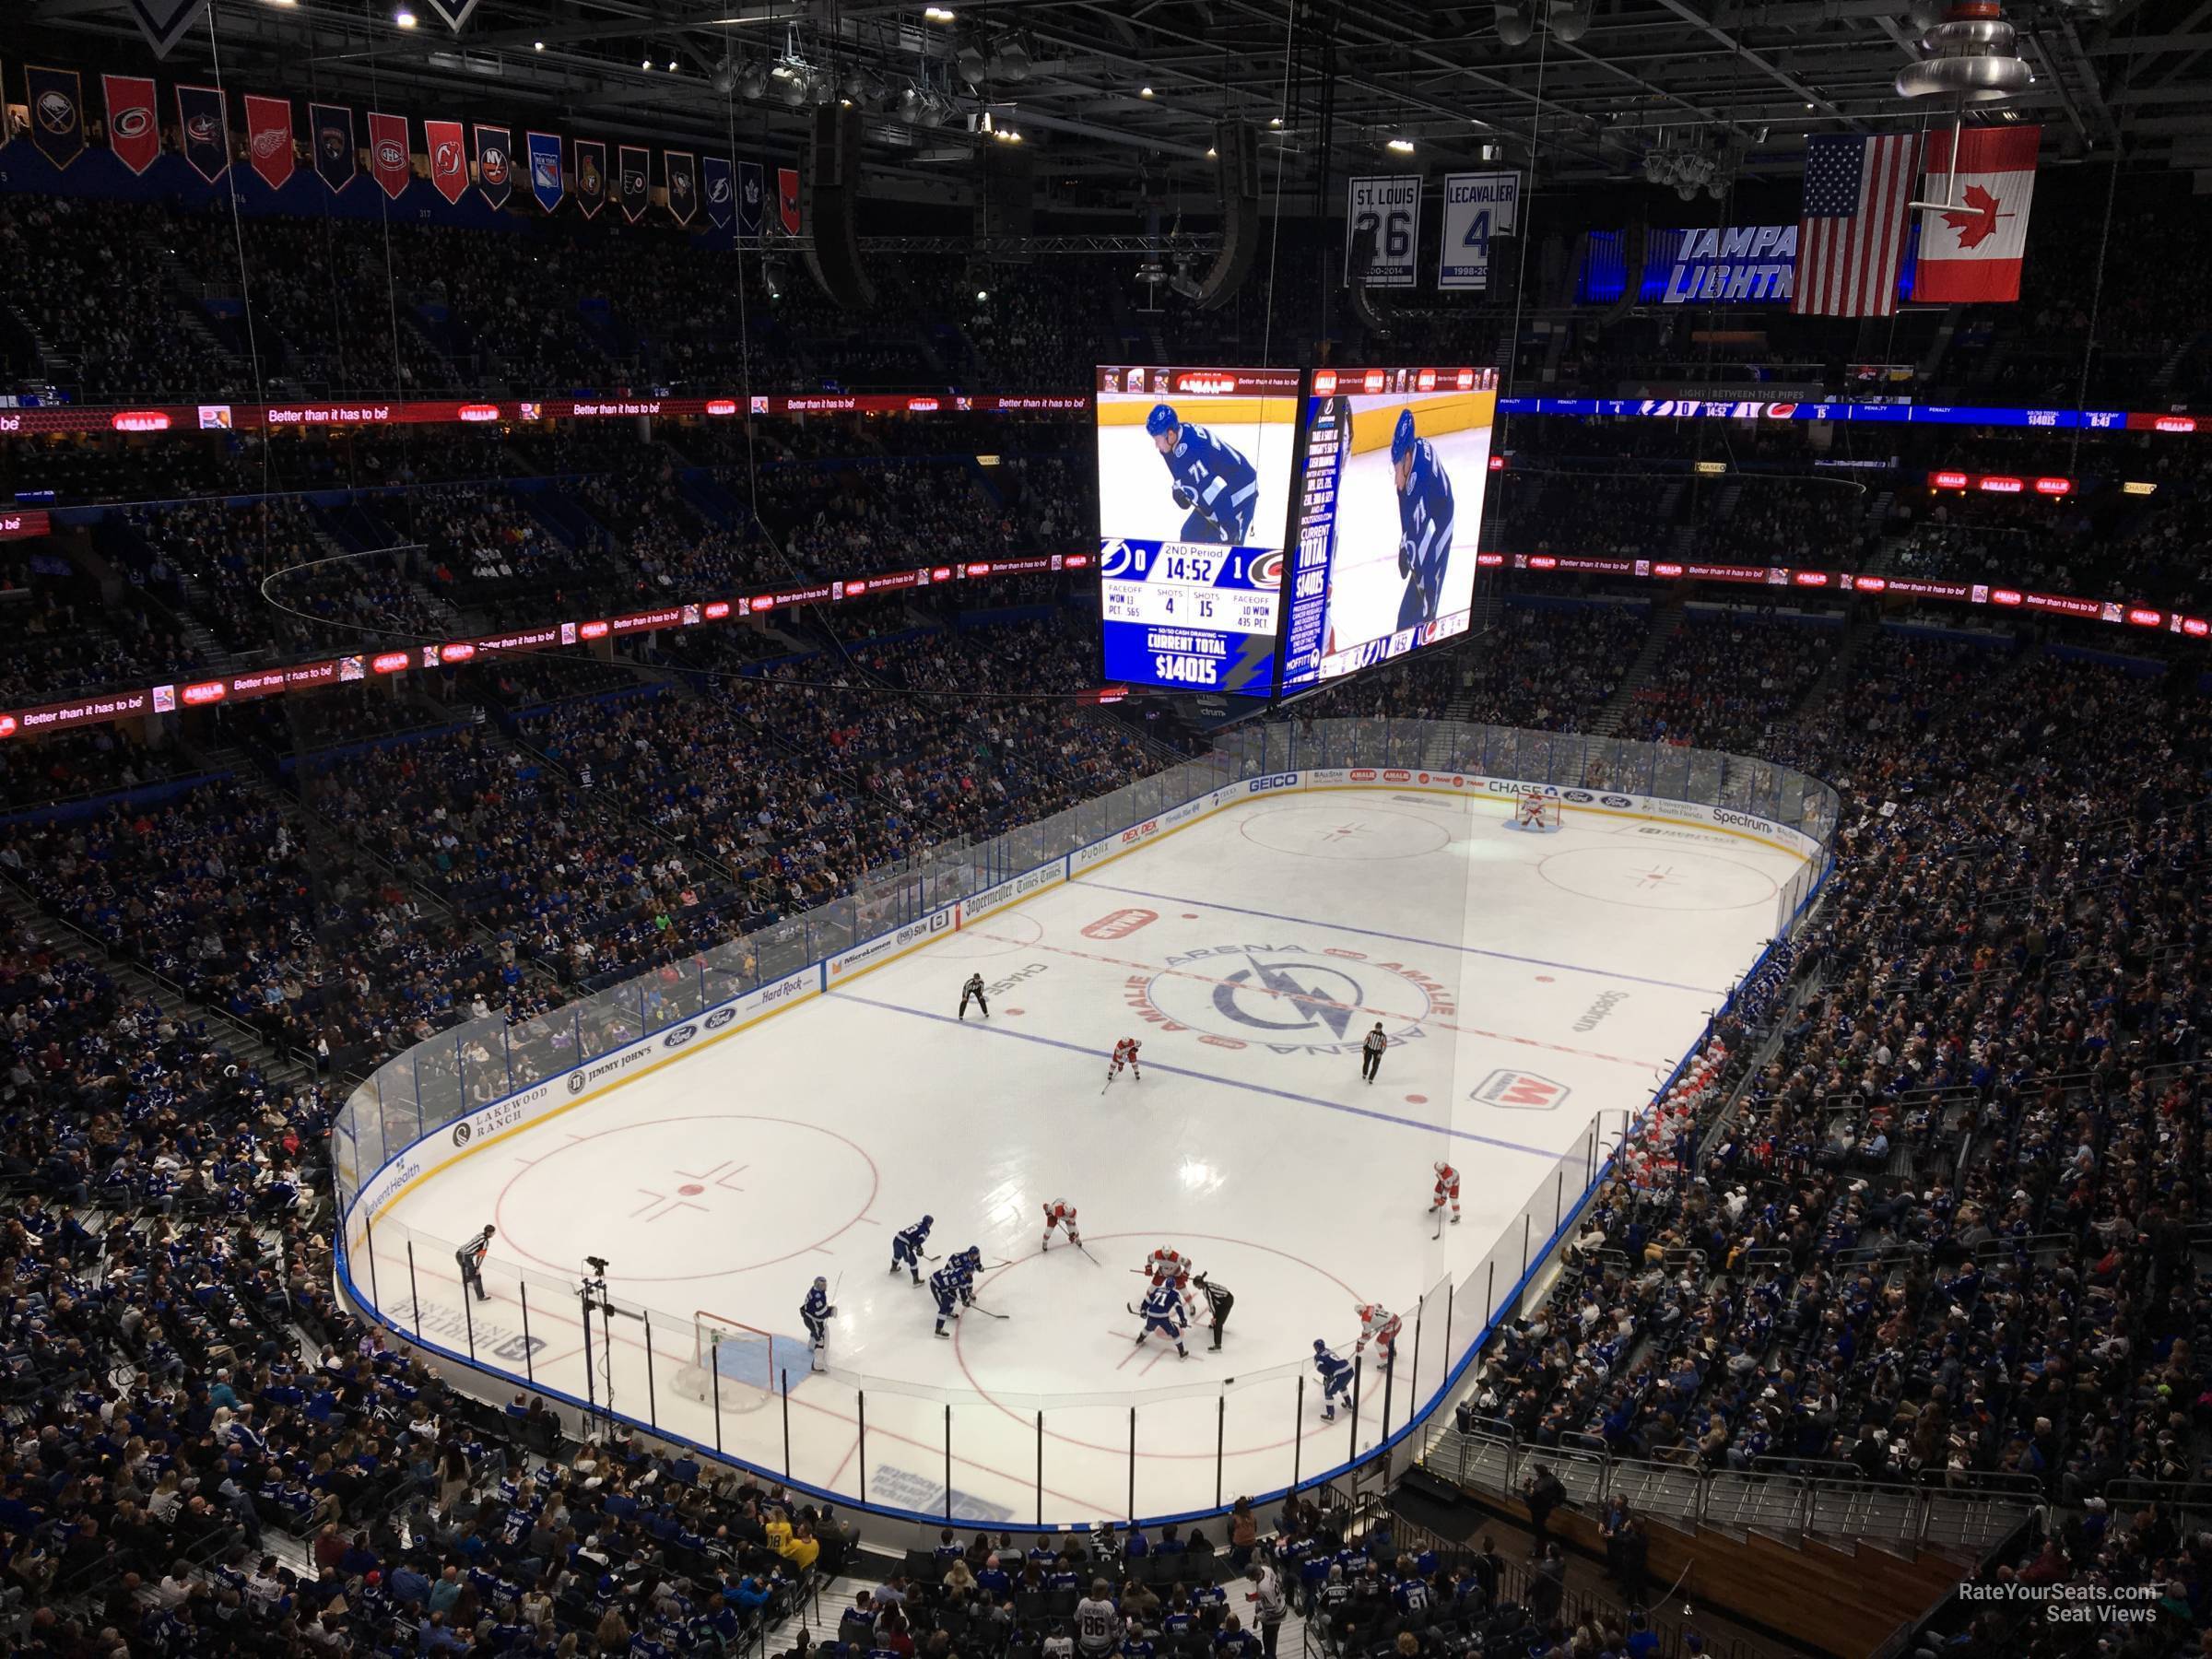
(752, 197)
(633, 183)
(591, 176)
(133, 130)
(449, 161)
(682, 184)
(330, 135)
(546, 182)
(787, 197)
(1970, 250)
(269, 138)
(57, 113)
(495, 151)
(205, 119)
(715, 171)
(388, 161)
(163, 22)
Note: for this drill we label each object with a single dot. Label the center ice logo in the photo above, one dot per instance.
(1287, 998)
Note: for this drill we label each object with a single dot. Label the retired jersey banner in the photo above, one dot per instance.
(1477, 207)
(495, 164)
(442, 142)
(787, 197)
(1972, 252)
(1387, 210)
(388, 163)
(591, 176)
(545, 168)
(205, 122)
(57, 113)
(330, 136)
(715, 172)
(133, 130)
(682, 171)
(752, 193)
(634, 183)
(269, 138)
(163, 22)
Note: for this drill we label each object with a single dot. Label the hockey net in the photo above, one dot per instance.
(747, 1365)
(1535, 812)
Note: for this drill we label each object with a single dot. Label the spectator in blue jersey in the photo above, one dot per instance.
(1424, 521)
(1216, 484)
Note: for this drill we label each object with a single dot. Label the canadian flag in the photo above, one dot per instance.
(1972, 251)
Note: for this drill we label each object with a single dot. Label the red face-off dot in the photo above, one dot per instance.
(1189, 915)
(1013, 1010)
(1544, 979)
(1417, 1099)
(690, 1192)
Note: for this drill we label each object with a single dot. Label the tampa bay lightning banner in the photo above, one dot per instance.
(330, 135)
(544, 169)
(751, 188)
(57, 113)
(715, 171)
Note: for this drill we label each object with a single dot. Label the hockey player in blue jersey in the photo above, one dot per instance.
(1163, 1311)
(950, 1285)
(1424, 521)
(1335, 1376)
(818, 1313)
(906, 1246)
(1219, 487)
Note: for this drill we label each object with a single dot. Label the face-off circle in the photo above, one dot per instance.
(1350, 829)
(1289, 996)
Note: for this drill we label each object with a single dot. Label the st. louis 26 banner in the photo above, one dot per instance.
(1383, 214)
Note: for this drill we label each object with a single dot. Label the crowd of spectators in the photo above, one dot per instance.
(1724, 679)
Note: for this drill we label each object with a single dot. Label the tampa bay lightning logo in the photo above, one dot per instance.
(1117, 558)
(1289, 997)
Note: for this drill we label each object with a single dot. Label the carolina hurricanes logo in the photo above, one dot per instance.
(202, 129)
(447, 160)
(492, 164)
(134, 122)
(267, 142)
(57, 112)
(389, 154)
(1267, 570)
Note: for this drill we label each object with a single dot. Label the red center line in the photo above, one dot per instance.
(1208, 979)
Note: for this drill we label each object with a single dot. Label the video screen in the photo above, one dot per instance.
(1193, 491)
(1389, 506)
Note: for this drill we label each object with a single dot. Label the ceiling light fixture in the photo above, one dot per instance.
(936, 14)
(404, 18)
(537, 45)
(1403, 147)
(1144, 91)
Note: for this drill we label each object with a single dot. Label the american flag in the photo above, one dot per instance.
(1851, 238)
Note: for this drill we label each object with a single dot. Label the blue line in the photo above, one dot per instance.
(1280, 1094)
(1372, 932)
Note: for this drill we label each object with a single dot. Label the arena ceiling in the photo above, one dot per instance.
(1101, 91)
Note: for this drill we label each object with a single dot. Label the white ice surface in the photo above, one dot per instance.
(1262, 941)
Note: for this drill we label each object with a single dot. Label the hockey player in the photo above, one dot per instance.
(1059, 1213)
(1379, 1326)
(1163, 1311)
(1166, 1265)
(906, 1246)
(818, 1314)
(1335, 1376)
(1447, 1186)
(471, 1258)
(949, 1284)
(1124, 1054)
(1218, 1301)
(1424, 521)
(1219, 487)
(974, 988)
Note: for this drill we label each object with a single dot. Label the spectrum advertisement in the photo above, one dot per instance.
(1194, 493)
(1390, 502)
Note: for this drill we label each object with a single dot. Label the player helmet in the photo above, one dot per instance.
(1163, 418)
(820, 1283)
(1401, 436)
(1442, 1167)
(1320, 1347)
(929, 1220)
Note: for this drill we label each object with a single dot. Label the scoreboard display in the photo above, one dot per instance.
(1194, 489)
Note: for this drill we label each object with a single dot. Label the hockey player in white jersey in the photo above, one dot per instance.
(1059, 1213)
(1447, 1187)
(1379, 1326)
(1124, 1054)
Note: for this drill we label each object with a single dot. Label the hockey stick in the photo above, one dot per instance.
(1086, 1255)
(987, 1313)
(1439, 1211)
(1108, 1084)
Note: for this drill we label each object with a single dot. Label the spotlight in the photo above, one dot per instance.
(795, 90)
(1513, 26)
(969, 60)
(1014, 61)
(909, 105)
(404, 18)
(1400, 146)
(672, 65)
(753, 82)
(646, 65)
(725, 79)
(1144, 91)
(936, 14)
(774, 276)
(537, 45)
(981, 296)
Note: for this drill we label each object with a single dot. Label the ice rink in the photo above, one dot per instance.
(1524, 979)
(1365, 587)
(1135, 494)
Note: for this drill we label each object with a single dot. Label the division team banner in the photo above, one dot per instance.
(330, 135)
(545, 168)
(163, 22)
(57, 113)
(787, 197)
(715, 169)
(388, 153)
(591, 176)
(133, 130)
(202, 115)
(1972, 253)
(442, 141)
(1477, 207)
(1388, 206)
(633, 181)
(269, 138)
(751, 192)
(682, 184)
(495, 164)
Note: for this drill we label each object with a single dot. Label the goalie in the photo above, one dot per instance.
(1424, 521)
